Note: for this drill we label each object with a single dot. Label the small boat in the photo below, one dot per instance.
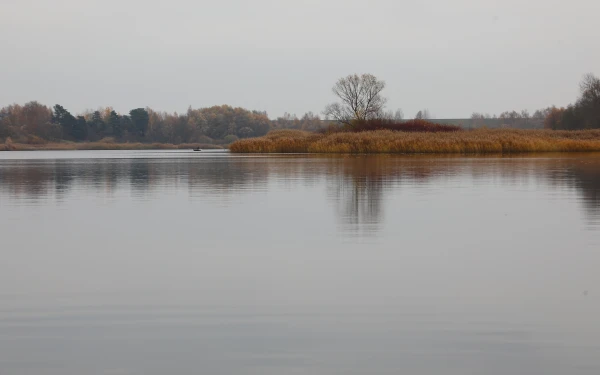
(196, 149)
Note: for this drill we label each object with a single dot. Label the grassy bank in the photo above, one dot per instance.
(10, 146)
(387, 141)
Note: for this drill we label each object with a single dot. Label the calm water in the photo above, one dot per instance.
(177, 262)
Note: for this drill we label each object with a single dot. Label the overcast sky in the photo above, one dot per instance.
(451, 56)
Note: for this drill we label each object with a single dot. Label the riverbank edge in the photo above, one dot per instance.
(67, 146)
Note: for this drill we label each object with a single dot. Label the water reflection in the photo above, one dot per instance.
(256, 264)
(356, 185)
(582, 175)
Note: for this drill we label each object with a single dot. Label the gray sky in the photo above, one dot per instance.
(451, 56)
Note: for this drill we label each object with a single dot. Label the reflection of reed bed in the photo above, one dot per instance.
(10, 146)
(387, 141)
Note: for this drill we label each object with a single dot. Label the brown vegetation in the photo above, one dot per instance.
(387, 141)
(416, 125)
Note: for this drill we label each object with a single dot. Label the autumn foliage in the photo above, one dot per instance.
(553, 118)
(34, 123)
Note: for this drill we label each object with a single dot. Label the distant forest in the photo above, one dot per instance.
(36, 123)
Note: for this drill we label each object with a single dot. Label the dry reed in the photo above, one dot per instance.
(386, 141)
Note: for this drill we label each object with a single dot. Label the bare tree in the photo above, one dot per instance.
(477, 119)
(360, 99)
(590, 86)
(589, 102)
(423, 115)
(541, 114)
(509, 118)
(525, 117)
(398, 115)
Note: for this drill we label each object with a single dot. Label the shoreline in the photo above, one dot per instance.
(67, 146)
(479, 141)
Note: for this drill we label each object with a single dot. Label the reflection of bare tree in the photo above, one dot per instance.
(356, 185)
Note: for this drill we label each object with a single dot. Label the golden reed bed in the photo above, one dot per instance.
(386, 141)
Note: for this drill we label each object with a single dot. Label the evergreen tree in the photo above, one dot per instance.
(80, 129)
(97, 124)
(63, 118)
(140, 120)
(114, 122)
(126, 124)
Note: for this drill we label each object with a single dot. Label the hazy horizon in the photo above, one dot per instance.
(452, 57)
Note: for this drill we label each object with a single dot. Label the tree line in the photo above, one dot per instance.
(360, 100)
(584, 113)
(36, 123)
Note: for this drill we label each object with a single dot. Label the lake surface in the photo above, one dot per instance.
(174, 262)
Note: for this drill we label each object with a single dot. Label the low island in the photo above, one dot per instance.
(476, 141)
(360, 125)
